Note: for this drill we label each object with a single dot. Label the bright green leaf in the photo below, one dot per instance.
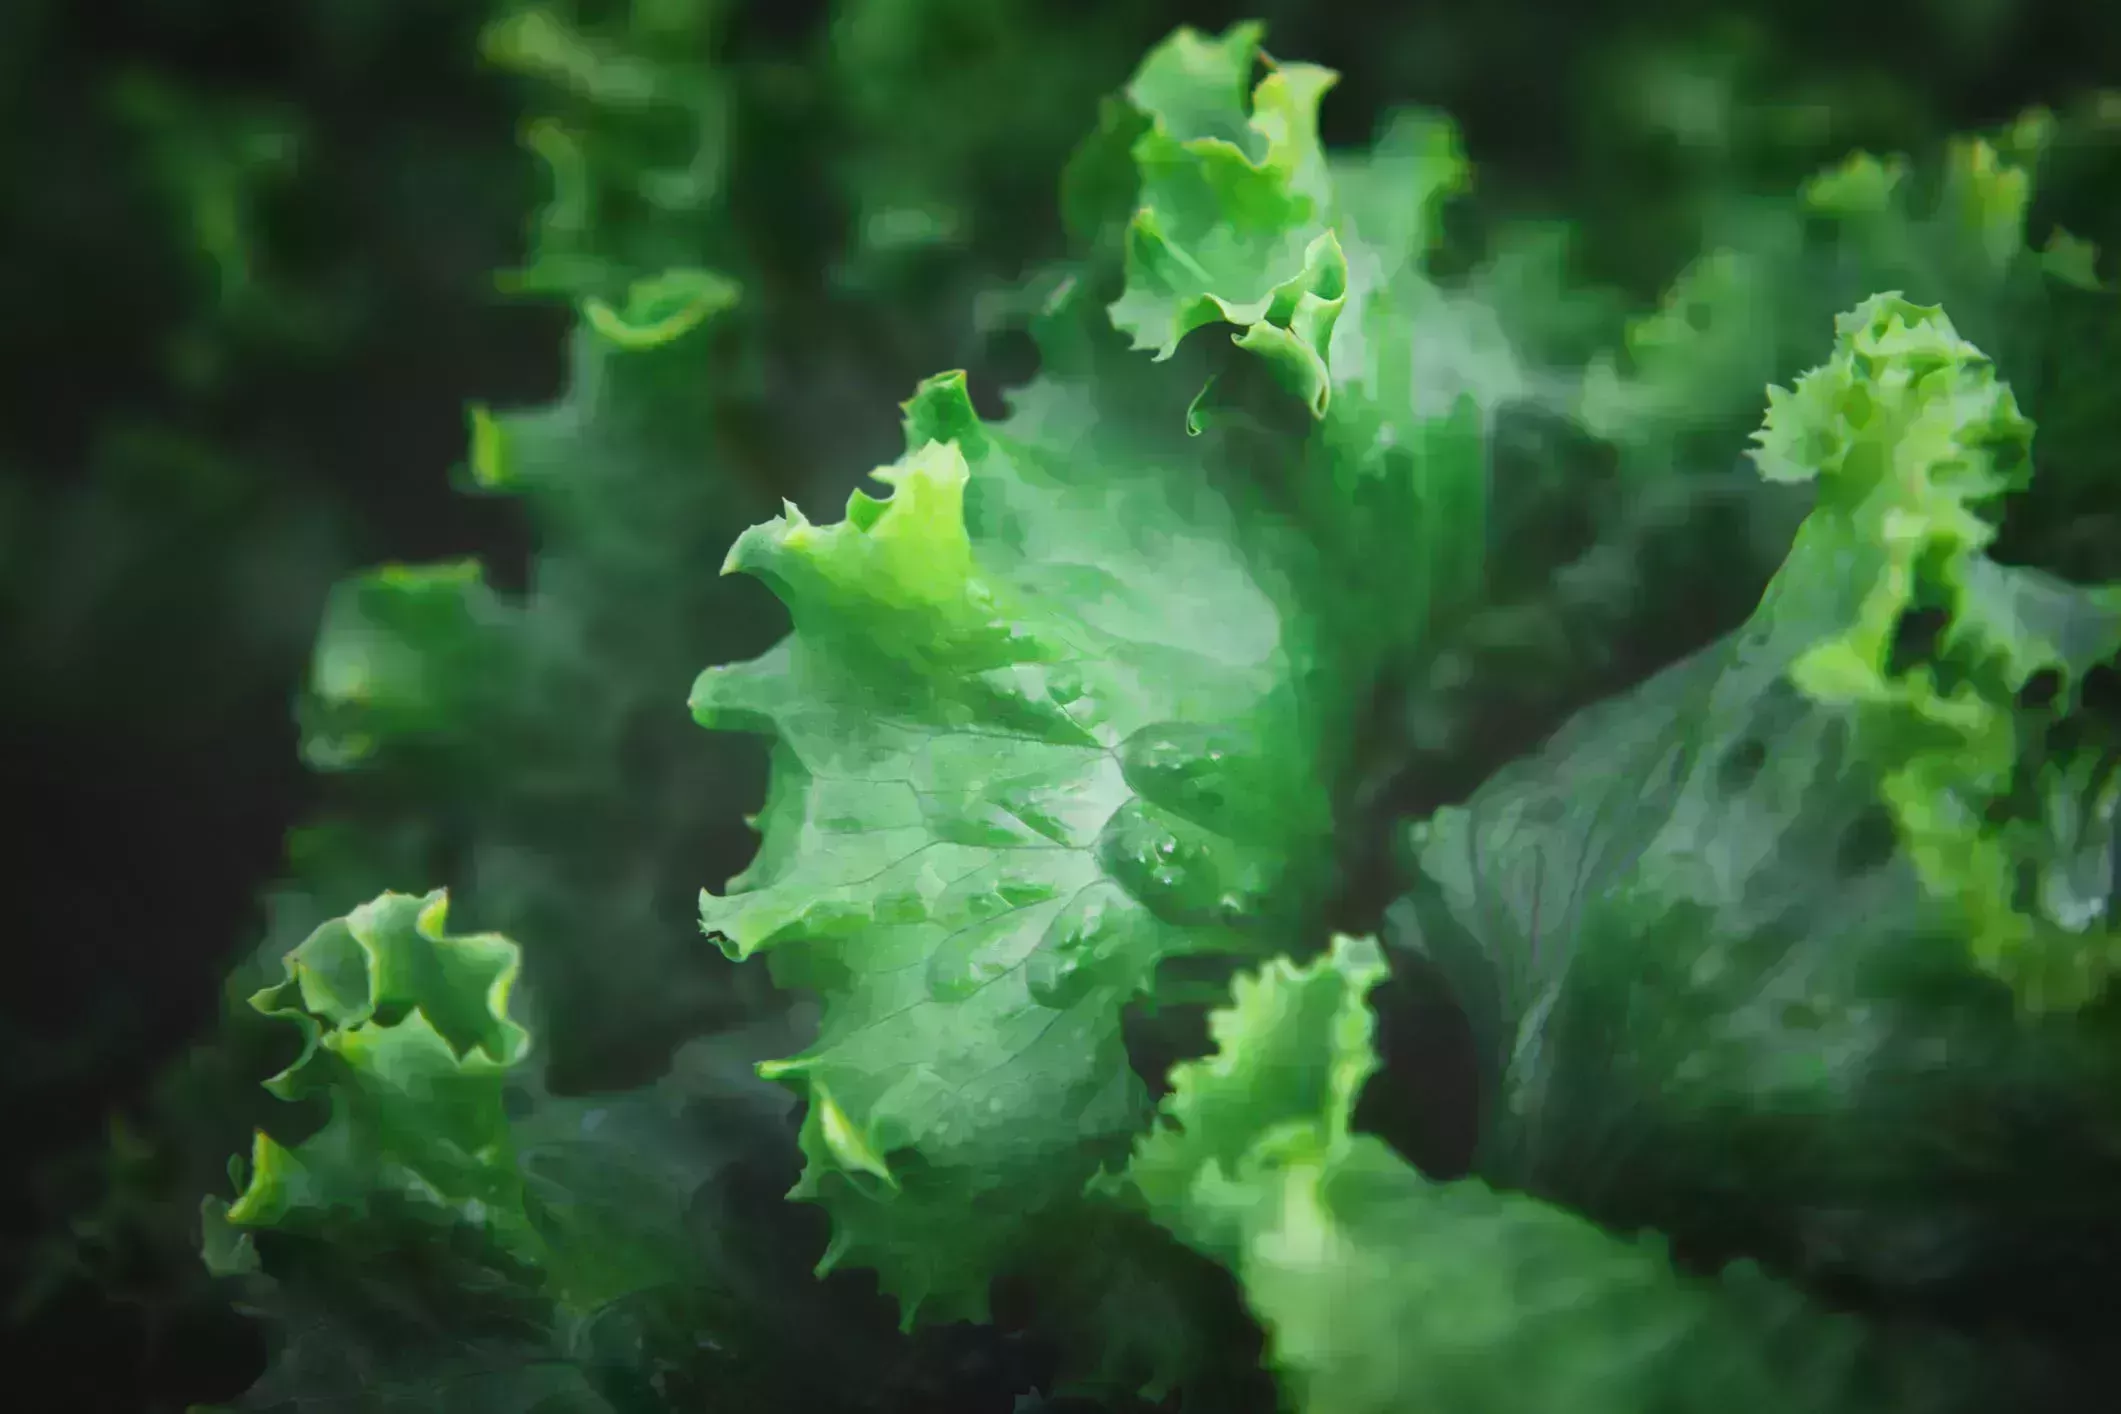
(1050, 715)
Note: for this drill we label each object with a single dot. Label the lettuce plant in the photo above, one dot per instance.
(1787, 964)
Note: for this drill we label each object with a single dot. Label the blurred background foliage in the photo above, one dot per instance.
(260, 259)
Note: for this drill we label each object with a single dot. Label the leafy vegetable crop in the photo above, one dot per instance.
(1787, 958)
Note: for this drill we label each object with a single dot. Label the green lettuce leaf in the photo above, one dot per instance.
(456, 1236)
(1913, 441)
(1021, 758)
(515, 743)
(510, 744)
(1381, 1289)
(1746, 947)
(406, 1033)
(1234, 204)
(1750, 309)
(1612, 554)
(410, 1191)
(1956, 231)
(1239, 216)
(1081, 698)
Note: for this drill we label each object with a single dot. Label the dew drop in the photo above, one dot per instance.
(1093, 938)
(1201, 773)
(1183, 873)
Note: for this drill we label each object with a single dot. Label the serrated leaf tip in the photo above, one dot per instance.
(941, 410)
(910, 551)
